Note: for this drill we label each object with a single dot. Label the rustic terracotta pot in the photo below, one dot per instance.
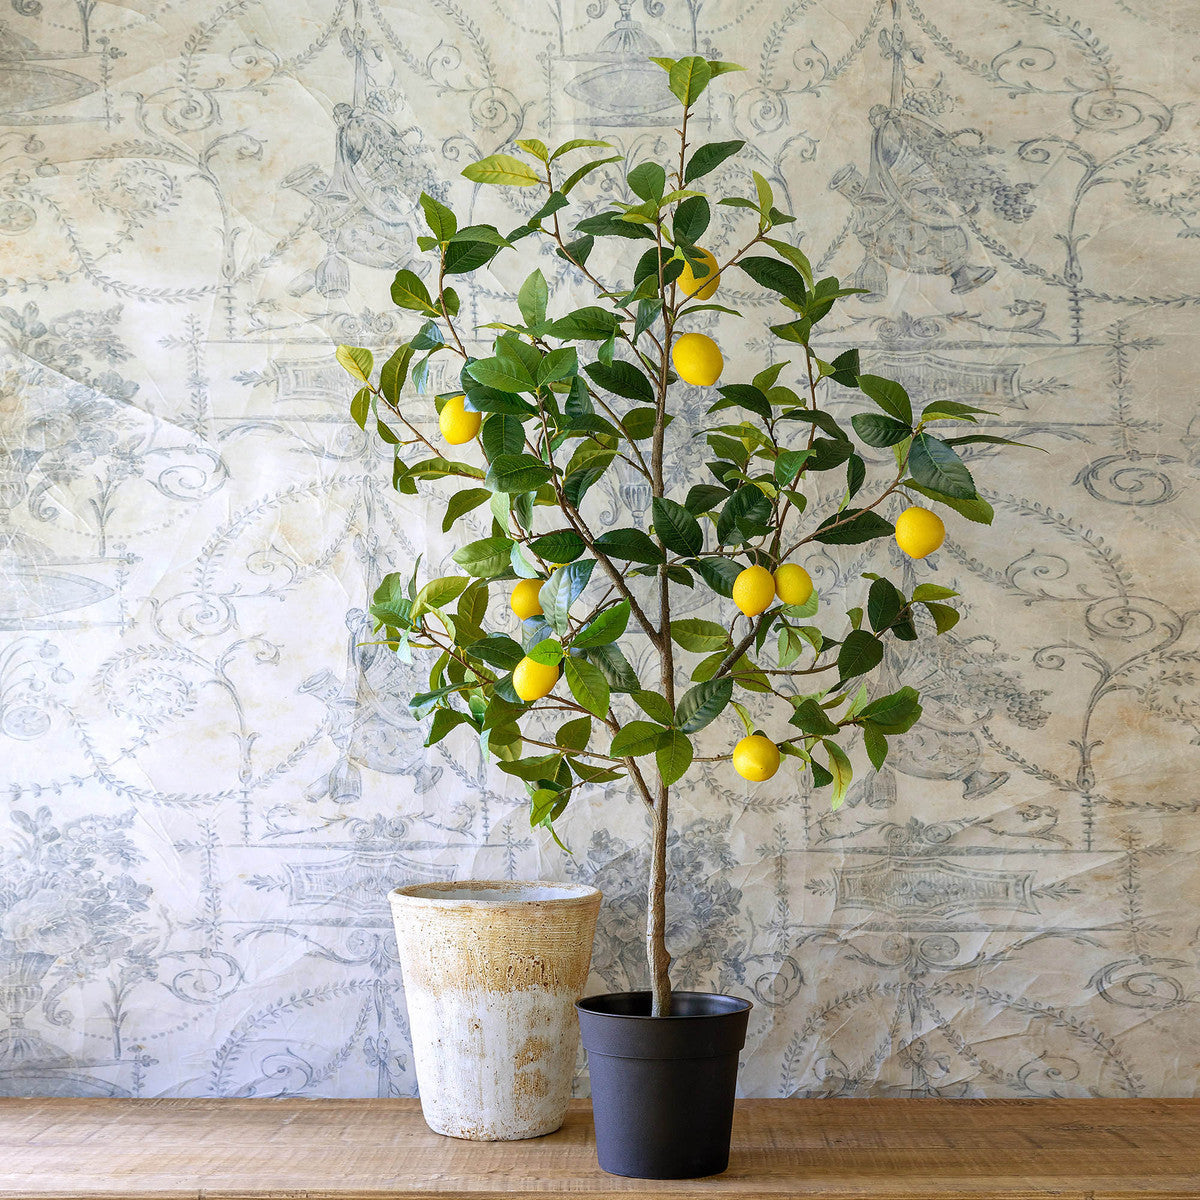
(492, 970)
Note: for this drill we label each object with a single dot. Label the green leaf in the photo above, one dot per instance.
(558, 364)
(622, 379)
(360, 407)
(708, 157)
(799, 260)
(884, 604)
(615, 665)
(588, 685)
(875, 743)
(852, 527)
(502, 373)
(639, 423)
(561, 546)
(502, 170)
(578, 144)
(630, 544)
(485, 558)
(356, 361)
(976, 509)
(700, 636)
(461, 503)
(936, 466)
(548, 652)
(590, 324)
(408, 291)
(518, 473)
(674, 756)
(647, 180)
(562, 589)
(746, 396)
(952, 410)
(533, 298)
(859, 653)
(580, 174)
(393, 374)
(654, 706)
(439, 592)
(501, 434)
(840, 769)
(789, 464)
(677, 529)
(636, 738)
(688, 78)
(444, 720)
(704, 497)
(876, 430)
(719, 574)
(889, 395)
(535, 147)
(776, 276)
(497, 650)
(744, 516)
(944, 617)
(441, 221)
(575, 735)
(932, 591)
(545, 806)
(605, 627)
(766, 198)
(810, 717)
(703, 704)
(440, 468)
(821, 777)
(894, 713)
(690, 221)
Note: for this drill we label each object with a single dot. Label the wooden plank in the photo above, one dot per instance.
(374, 1149)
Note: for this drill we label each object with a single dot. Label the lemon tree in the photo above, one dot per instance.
(528, 637)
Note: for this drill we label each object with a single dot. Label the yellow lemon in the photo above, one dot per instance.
(753, 590)
(919, 532)
(524, 600)
(756, 758)
(700, 287)
(533, 680)
(793, 585)
(458, 425)
(697, 359)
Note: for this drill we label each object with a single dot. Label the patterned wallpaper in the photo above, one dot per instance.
(208, 784)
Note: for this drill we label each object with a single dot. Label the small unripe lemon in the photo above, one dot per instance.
(753, 590)
(525, 601)
(701, 287)
(756, 758)
(456, 423)
(697, 359)
(919, 532)
(793, 584)
(533, 680)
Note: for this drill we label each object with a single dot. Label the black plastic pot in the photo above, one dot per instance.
(663, 1087)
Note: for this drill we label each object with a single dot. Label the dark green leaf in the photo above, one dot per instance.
(895, 713)
(746, 396)
(408, 291)
(561, 546)
(463, 502)
(876, 430)
(610, 224)
(852, 527)
(976, 509)
(691, 220)
(884, 604)
(889, 395)
(622, 379)
(588, 685)
(393, 373)
(517, 473)
(719, 574)
(744, 516)
(678, 530)
(810, 717)
(615, 666)
(647, 180)
(944, 617)
(575, 735)
(441, 221)
(673, 756)
(875, 743)
(707, 158)
(703, 704)
(630, 544)
(654, 706)
(859, 653)
(605, 627)
(936, 466)
(503, 373)
(776, 276)
(533, 298)
(501, 434)
(636, 738)
(704, 497)
(486, 557)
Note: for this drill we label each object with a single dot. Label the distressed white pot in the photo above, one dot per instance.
(492, 970)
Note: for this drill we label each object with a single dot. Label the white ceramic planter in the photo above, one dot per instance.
(492, 970)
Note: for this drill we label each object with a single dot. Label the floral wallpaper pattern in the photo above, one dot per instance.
(209, 782)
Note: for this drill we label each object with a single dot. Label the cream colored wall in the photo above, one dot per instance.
(208, 788)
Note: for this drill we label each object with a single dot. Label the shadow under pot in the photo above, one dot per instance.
(663, 1087)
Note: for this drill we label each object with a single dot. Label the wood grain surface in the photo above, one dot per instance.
(371, 1149)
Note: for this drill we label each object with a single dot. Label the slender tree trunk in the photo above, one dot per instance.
(657, 957)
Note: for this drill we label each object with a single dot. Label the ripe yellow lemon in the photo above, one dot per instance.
(704, 286)
(753, 590)
(524, 600)
(919, 532)
(793, 585)
(458, 425)
(756, 758)
(697, 359)
(533, 680)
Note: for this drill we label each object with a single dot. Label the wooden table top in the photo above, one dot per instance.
(376, 1149)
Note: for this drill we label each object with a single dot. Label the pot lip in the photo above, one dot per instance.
(743, 1006)
(424, 894)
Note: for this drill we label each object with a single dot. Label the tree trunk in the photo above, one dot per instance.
(657, 957)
